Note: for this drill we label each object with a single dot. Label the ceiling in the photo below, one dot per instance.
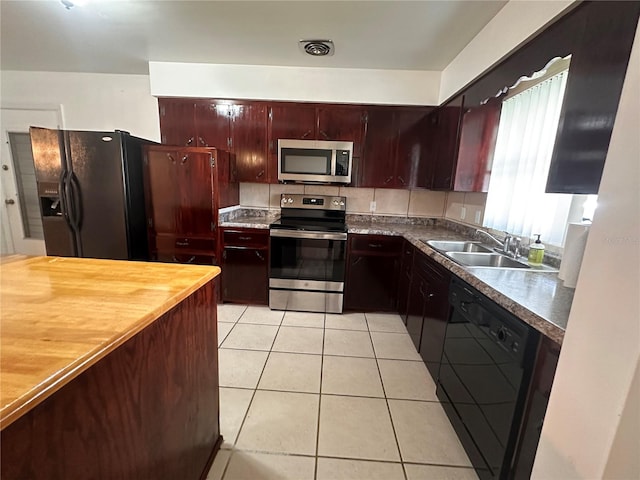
(122, 36)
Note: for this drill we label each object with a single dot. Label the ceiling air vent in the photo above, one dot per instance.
(317, 48)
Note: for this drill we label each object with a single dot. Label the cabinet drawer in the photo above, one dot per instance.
(171, 243)
(246, 238)
(176, 257)
(382, 244)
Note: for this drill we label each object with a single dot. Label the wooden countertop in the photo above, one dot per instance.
(59, 316)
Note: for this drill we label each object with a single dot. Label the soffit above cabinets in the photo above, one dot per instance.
(101, 36)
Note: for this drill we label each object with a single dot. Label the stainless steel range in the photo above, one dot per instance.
(308, 254)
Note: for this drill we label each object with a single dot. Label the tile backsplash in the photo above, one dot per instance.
(466, 207)
(402, 203)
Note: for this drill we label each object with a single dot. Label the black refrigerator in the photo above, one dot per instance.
(91, 193)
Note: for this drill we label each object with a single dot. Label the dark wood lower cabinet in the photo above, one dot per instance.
(404, 281)
(245, 266)
(147, 410)
(428, 309)
(373, 265)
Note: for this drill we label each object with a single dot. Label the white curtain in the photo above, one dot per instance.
(516, 202)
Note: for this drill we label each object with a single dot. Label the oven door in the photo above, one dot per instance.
(307, 270)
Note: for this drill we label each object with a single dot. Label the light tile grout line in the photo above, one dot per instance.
(315, 468)
(253, 396)
(386, 401)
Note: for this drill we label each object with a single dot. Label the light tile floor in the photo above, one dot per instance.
(308, 396)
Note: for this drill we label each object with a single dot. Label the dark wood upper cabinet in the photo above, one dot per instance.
(288, 121)
(177, 121)
(378, 164)
(478, 135)
(391, 149)
(444, 137)
(213, 125)
(598, 68)
(342, 123)
(249, 141)
(291, 121)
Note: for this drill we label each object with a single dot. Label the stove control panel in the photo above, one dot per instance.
(315, 202)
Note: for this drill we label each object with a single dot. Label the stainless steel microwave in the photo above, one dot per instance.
(314, 161)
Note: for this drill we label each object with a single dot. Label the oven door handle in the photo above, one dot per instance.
(306, 234)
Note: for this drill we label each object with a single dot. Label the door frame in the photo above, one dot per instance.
(18, 118)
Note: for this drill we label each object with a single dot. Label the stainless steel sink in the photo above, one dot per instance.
(457, 246)
(494, 260)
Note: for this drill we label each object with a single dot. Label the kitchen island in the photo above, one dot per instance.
(109, 369)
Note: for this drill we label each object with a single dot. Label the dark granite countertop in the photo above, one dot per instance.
(538, 298)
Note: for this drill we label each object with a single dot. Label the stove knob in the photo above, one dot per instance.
(290, 200)
(335, 202)
(342, 203)
(284, 201)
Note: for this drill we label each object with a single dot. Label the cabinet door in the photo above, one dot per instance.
(377, 166)
(341, 123)
(478, 135)
(195, 184)
(446, 138)
(249, 141)
(597, 73)
(404, 282)
(177, 122)
(244, 275)
(297, 122)
(213, 125)
(161, 190)
(409, 146)
(373, 265)
(415, 308)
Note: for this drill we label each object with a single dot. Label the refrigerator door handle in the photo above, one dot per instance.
(77, 200)
(62, 192)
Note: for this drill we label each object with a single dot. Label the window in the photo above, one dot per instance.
(516, 200)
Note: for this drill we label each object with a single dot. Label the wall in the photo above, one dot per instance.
(395, 202)
(586, 431)
(89, 101)
(466, 207)
(516, 22)
(333, 85)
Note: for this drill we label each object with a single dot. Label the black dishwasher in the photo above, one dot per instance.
(486, 367)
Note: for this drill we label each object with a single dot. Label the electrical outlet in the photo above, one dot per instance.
(372, 206)
(478, 216)
(463, 213)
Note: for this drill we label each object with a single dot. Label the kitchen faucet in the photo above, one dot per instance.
(506, 245)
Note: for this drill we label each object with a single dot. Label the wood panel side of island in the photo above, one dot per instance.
(148, 410)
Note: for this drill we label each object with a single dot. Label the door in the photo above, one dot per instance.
(342, 124)
(249, 142)
(96, 188)
(20, 212)
(245, 275)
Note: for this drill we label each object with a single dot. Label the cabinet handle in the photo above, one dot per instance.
(356, 261)
(306, 134)
(202, 142)
(184, 160)
(259, 255)
(244, 238)
(189, 142)
(401, 180)
(375, 245)
(185, 243)
(175, 259)
(260, 174)
(388, 179)
(170, 157)
(323, 133)
(224, 254)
